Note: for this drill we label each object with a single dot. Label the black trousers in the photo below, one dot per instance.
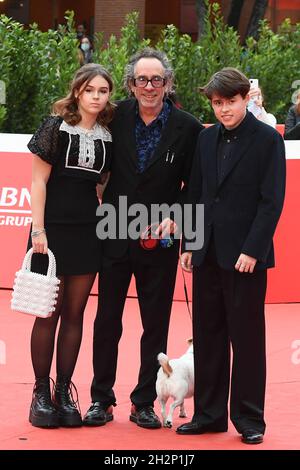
(155, 287)
(228, 309)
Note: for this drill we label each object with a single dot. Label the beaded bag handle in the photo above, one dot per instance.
(26, 266)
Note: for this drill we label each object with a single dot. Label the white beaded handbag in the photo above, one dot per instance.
(35, 293)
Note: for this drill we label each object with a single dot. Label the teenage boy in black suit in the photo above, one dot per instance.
(239, 176)
(153, 147)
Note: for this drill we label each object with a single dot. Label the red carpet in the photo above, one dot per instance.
(16, 382)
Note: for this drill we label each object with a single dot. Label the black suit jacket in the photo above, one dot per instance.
(242, 210)
(163, 181)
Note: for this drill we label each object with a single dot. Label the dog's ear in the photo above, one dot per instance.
(190, 340)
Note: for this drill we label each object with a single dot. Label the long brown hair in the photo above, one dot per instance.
(67, 107)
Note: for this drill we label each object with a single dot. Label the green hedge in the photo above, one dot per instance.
(37, 67)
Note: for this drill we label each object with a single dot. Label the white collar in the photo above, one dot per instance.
(97, 132)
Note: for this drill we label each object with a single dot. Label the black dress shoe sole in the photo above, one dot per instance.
(95, 422)
(257, 440)
(134, 419)
(203, 430)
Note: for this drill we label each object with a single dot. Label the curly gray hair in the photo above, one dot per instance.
(149, 52)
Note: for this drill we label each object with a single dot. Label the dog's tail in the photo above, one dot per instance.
(164, 362)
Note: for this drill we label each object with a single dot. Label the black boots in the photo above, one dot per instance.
(42, 412)
(62, 411)
(66, 406)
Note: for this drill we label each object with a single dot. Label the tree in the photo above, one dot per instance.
(201, 10)
(235, 13)
(258, 14)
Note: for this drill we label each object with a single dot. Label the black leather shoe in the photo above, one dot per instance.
(68, 413)
(251, 436)
(98, 415)
(145, 417)
(197, 428)
(42, 411)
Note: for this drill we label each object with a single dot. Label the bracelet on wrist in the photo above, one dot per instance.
(35, 233)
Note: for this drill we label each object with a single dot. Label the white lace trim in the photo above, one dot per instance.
(86, 156)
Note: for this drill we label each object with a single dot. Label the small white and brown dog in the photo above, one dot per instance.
(175, 378)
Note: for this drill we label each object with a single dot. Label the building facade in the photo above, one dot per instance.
(108, 16)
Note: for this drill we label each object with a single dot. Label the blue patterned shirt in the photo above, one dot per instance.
(148, 137)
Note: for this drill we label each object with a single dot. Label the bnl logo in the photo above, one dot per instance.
(2, 352)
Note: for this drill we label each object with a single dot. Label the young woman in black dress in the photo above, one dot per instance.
(72, 151)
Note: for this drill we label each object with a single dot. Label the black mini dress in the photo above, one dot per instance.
(80, 159)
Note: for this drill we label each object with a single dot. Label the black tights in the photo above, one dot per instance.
(73, 296)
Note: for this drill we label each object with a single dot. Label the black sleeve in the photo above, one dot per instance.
(194, 189)
(44, 141)
(272, 189)
(192, 141)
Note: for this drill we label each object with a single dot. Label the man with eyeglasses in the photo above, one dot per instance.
(153, 146)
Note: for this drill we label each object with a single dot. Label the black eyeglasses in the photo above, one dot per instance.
(156, 82)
